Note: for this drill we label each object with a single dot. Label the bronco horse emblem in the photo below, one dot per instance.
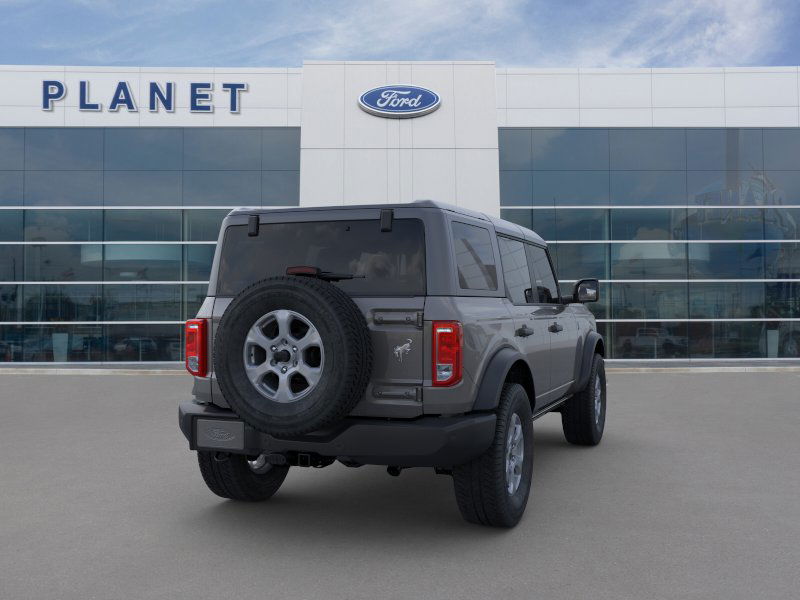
(401, 350)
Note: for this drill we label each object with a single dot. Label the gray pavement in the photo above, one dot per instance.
(694, 493)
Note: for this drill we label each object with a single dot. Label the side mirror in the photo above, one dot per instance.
(529, 295)
(586, 290)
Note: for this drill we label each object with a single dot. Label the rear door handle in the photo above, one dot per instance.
(555, 327)
(523, 331)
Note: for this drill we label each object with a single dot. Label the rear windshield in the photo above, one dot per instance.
(388, 263)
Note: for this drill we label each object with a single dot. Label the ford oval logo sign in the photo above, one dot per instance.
(399, 101)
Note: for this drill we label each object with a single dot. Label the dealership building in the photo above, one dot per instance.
(678, 188)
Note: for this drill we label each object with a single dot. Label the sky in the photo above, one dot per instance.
(565, 33)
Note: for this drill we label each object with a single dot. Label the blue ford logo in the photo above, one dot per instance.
(399, 101)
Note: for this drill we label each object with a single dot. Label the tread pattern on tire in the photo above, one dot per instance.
(577, 413)
(232, 478)
(359, 354)
(480, 484)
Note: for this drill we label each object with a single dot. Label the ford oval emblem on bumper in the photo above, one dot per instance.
(399, 101)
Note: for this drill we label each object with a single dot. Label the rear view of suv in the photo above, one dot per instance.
(411, 335)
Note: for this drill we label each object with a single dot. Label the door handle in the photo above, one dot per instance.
(555, 327)
(523, 331)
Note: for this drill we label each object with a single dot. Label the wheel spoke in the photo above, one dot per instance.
(255, 373)
(283, 393)
(256, 337)
(309, 340)
(310, 374)
(283, 318)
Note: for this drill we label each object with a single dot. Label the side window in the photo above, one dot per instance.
(515, 270)
(545, 289)
(474, 257)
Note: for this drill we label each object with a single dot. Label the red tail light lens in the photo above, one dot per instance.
(447, 351)
(196, 347)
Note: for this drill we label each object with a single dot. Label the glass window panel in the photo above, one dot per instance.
(731, 188)
(11, 263)
(280, 188)
(727, 340)
(10, 305)
(202, 225)
(140, 343)
(783, 341)
(515, 149)
(580, 261)
(648, 187)
(648, 224)
(143, 148)
(62, 302)
(11, 188)
(648, 300)
(153, 262)
(142, 188)
(726, 261)
(65, 188)
(724, 149)
(570, 188)
(222, 188)
(782, 148)
(194, 295)
(280, 148)
(648, 261)
(570, 149)
(63, 225)
(12, 148)
(142, 225)
(581, 224)
(648, 149)
(600, 308)
(543, 222)
(545, 288)
(726, 224)
(474, 257)
(64, 262)
(198, 261)
(10, 226)
(726, 300)
(63, 148)
(650, 339)
(222, 148)
(142, 302)
(782, 187)
(63, 343)
(520, 217)
(782, 260)
(516, 188)
(783, 299)
(515, 269)
(11, 340)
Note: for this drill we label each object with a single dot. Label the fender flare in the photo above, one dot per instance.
(593, 340)
(494, 375)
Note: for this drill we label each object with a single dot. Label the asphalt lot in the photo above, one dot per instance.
(694, 493)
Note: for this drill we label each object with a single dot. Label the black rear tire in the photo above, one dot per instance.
(582, 418)
(230, 476)
(481, 486)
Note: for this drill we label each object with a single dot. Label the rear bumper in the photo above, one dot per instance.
(424, 442)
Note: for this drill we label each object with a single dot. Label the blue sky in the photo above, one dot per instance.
(588, 33)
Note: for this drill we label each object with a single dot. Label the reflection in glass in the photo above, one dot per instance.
(142, 302)
(581, 224)
(143, 342)
(12, 148)
(194, 295)
(11, 263)
(648, 187)
(732, 188)
(63, 225)
(514, 149)
(280, 148)
(474, 257)
(570, 149)
(783, 299)
(648, 301)
(783, 340)
(648, 261)
(10, 303)
(11, 338)
(600, 308)
(650, 339)
(222, 148)
(202, 225)
(724, 149)
(10, 226)
(726, 261)
(142, 225)
(516, 188)
(516, 275)
(63, 188)
(721, 339)
(655, 224)
(64, 262)
(726, 300)
(62, 343)
(570, 188)
(782, 260)
(648, 149)
(580, 261)
(143, 148)
(197, 262)
(62, 303)
(726, 223)
(63, 148)
(782, 149)
(11, 188)
(222, 188)
(153, 262)
(280, 188)
(142, 188)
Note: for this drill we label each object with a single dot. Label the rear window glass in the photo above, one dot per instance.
(390, 263)
(474, 257)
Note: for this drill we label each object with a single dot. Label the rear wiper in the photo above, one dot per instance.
(304, 271)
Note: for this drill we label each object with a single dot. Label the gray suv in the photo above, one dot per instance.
(407, 335)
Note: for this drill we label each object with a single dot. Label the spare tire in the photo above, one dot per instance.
(292, 355)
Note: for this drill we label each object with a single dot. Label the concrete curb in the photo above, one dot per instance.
(742, 369)
(57, 371)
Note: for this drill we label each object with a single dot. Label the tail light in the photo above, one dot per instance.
(196, 347)
(447, 351)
